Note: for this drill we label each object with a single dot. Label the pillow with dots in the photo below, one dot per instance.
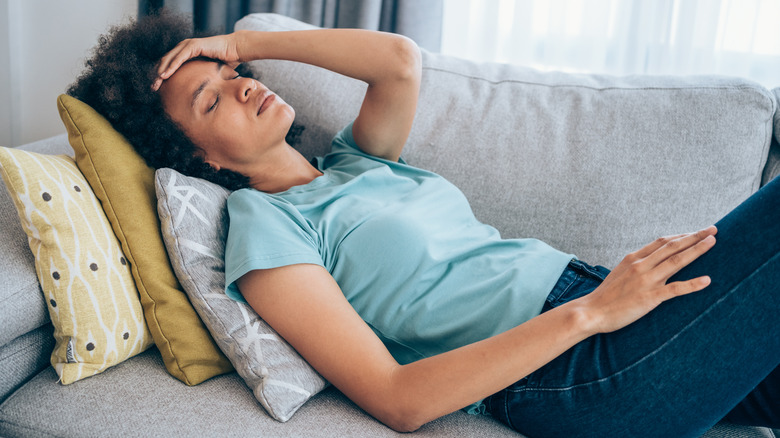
(85, 278)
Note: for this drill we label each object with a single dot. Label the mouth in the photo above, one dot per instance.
(265, 101)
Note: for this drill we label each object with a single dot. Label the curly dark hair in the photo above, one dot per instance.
(117, 84)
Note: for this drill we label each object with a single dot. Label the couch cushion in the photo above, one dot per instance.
(772, 168)
(137, 398)
(194, 222)
(24, 357)
(86, 282)
(595, 165)
(125, 186)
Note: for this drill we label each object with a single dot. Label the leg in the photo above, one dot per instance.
(761, 406)
(684, 366)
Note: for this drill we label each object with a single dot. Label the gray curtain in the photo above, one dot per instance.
(420, 20)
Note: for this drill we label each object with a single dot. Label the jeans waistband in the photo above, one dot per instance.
(578, 279)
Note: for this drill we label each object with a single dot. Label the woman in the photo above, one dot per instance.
(627, 351)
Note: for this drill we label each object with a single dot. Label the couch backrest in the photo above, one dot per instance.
(595, 165)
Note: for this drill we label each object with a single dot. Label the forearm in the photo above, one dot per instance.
(365, 55)
(432, 387)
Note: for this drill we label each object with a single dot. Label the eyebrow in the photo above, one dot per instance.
(196, 94)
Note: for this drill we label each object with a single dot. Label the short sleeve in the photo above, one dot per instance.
(344, 143)
(265, 232)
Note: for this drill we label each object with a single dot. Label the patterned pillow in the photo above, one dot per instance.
(194, 225)
(85, 278)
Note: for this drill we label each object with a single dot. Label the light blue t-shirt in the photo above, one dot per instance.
(404, 246)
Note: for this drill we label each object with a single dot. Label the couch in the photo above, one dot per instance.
(595, 165)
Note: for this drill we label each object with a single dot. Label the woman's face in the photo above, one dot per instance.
(235, 121)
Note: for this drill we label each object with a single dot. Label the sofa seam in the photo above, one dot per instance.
(22, 349)
(21, 426)
(590, 87)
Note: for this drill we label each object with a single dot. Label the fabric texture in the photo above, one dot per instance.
(125, 186)
(421, 21)
(403, 245)
(138, 398)
(86, 280)
(194, 224)
(772, 168)
(24, 357)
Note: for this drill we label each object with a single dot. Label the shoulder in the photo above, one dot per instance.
(345, 150)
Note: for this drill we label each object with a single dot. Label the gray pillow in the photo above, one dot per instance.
(194, 223)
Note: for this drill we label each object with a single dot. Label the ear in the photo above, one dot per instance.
(213, 165)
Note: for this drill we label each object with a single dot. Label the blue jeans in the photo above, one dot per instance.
(684, 366)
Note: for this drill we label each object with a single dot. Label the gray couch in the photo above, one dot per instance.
(594, 165)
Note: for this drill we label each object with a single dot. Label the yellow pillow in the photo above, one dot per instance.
(86, 281)
(125, 186)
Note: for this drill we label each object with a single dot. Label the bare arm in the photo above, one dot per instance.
(330, 335)
(388, 63)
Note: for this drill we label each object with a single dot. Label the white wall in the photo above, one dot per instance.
(43, 45)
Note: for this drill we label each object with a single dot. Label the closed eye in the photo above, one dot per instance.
(216, 100)
(213, 105)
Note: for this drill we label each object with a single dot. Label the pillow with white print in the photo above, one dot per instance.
(86, 281)
(193, 217)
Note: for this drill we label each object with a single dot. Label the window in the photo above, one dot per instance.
(728, 37)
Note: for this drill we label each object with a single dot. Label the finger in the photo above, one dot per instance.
(673, 246)
(675, 262)
(174, 62)
(171, 61)
(655, 245)
(678, 288)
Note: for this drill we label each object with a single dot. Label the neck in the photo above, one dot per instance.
(285, 170)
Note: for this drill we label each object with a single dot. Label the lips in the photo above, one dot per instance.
(265, 101)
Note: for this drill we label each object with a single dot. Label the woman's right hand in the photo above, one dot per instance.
(639, 283)
(221, 47)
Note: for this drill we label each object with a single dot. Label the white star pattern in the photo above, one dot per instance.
(194, 224)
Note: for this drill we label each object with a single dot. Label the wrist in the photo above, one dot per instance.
(584, 317)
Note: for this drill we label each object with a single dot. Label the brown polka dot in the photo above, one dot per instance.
(90, 346)
(77, 188)
(122, 260)
(55, 275)
(46, 196)
(126, 336)
(53, 303)
(93, 266)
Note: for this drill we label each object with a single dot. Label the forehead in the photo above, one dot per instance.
(187, 79)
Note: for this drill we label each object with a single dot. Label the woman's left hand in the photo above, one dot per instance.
(640, 282)
(221, 47)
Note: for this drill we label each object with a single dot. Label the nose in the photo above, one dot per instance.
(246, 88)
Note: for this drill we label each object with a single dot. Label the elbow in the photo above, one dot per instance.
(408, 59)
(402, 423)
(403, 412)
